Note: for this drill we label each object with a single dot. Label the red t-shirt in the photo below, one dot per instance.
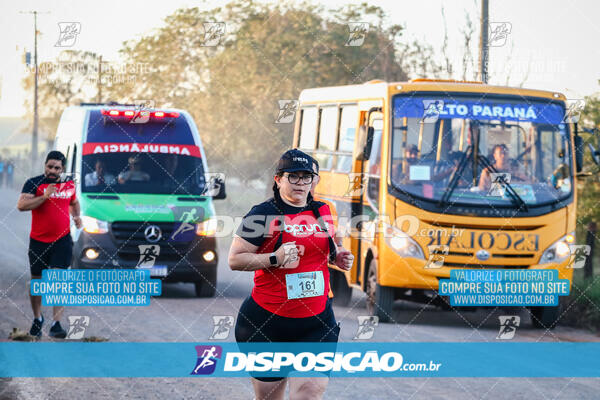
(50, 221)
(261, 228)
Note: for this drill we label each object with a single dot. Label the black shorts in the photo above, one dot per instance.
(55, 254)
(255, 324)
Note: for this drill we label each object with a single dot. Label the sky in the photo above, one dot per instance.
(549, 45)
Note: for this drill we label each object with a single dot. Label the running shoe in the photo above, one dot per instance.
(36, 327)
(57, 331)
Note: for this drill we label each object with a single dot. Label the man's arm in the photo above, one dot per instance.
(123, 177)
(29, 201)
(75, 210)
(484, 180)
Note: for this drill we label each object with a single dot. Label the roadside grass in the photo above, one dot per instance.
(20, 336)
(583, 304)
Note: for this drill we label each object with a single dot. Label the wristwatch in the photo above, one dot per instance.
(273, 260)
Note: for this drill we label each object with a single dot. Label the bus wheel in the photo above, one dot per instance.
(380, 299)
(207, 287)
(544, 317)
(342, 293)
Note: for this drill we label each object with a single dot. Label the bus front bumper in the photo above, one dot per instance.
(411, 273)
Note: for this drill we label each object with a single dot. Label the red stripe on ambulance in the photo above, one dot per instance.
(160, 148)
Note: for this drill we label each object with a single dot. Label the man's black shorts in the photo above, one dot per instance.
(55, 254)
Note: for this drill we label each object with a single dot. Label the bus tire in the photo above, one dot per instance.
(545, 317)
(342, 293)
(380, 299)
(207, 287)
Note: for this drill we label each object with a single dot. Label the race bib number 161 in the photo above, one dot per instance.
(305, 284)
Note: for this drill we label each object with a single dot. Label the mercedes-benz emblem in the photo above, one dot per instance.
(482, 255)
(152, 233)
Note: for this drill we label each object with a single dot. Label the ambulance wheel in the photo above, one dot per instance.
(380, 299)
(544, 317)
(342, 293)
(207, 287)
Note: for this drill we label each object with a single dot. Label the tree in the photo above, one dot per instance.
(268, 53)
(68, 80)
(589, 188)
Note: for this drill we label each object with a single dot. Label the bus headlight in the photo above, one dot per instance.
(93, 225)
(559, 250)
(207, 228)
(401, 243)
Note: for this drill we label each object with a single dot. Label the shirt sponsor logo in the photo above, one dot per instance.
(304, 229)
(66, 194)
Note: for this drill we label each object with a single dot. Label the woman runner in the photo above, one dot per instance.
(288, 240)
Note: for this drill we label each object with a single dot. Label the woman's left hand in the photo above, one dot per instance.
(344, 259)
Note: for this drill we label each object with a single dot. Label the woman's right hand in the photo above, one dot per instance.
(287, 255)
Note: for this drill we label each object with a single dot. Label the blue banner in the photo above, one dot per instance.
(226, 359)
(96, 287)
(494, 287)
(432, 108)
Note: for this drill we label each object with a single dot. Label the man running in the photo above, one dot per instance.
(50, 245)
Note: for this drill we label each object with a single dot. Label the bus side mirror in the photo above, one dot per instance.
(595, 154)
(579, 153)
(364, 143)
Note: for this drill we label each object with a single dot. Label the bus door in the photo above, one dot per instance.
(368, 204)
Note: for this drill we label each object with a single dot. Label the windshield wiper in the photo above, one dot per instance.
(456, 175)
(518, 200)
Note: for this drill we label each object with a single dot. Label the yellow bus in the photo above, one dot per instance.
(432, 175)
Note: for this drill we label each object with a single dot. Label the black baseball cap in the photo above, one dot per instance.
(315, 166)
(295, 160)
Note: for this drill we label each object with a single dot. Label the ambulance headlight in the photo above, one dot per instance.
(93, 225)
(208, 227)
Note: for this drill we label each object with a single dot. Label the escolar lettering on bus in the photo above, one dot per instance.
(487, 240)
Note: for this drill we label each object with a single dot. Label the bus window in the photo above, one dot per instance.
(549, 151)
(459, 134)
(428, 139)
(412, 133)
(348, 121)
(327, 136)
(308, 128)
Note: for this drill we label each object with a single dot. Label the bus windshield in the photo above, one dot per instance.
(487, 152)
